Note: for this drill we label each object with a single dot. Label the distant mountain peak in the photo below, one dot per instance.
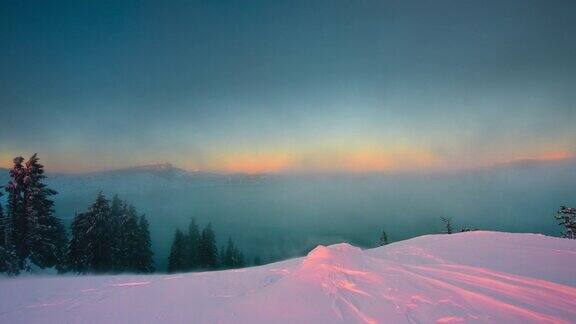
(160, 166)
(532, 162)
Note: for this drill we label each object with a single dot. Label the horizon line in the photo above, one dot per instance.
(168, 165)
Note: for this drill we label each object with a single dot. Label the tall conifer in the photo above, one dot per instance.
(144, 254)
(177, 258)
(91, 247)
(208, 250)
(46, 237)
(16, 211)
(193, 246)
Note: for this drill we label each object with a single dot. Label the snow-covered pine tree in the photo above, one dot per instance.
(16, 211)
(208, 249)
(99, 234)
(117, 210)
(144, 253)
(8, 260)
(193, 246)
(177, 258)
(130, 236)
(91, 246)
(60, 240)
(129, 243)
(79, 248)
(45, 237)
(566, 217)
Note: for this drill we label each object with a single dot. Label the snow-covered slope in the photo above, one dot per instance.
(473, 277)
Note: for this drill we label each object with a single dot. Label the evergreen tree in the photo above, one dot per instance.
(60, 240)
(91, 246)
(229, 254)
(133, 252)
(566, 217)
(233, 257)
(193, 246)
(239, 261)
(117, 210)
(208, 250)
(8, 259)
(383, 238)
(99, 232)
(447, 224)
(129, 239)
(177, 258)
(30, 230)
(46, 236)
(18, 224)
(110, 237)
(144, 254)
(221, 257)
(79, 248)
(257, 260)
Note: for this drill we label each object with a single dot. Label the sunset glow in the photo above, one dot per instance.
(355, 160)
(252, 163)
(252, 93)
(546, 156)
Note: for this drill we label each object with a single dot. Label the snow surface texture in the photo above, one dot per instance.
(474, 277)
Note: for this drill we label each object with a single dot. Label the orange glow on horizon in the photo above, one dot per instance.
(359, 160)
(381, 161)
(370, 158)
(252, 163)
(547, 156)
(553, 156)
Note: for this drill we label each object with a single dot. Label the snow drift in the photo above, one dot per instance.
(466, 277)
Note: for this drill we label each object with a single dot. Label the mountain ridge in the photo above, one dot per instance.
(167, 167)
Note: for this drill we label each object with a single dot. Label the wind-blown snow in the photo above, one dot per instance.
(466, 277)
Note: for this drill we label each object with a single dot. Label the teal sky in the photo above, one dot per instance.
(306, 86)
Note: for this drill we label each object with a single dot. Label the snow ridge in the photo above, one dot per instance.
(474, 277)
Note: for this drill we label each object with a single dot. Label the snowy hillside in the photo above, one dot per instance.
(467, 277)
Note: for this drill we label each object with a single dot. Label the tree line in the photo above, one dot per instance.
(108, 237)
(197, 250)
(111, 236)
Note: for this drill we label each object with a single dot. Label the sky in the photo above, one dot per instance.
(287, 86)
